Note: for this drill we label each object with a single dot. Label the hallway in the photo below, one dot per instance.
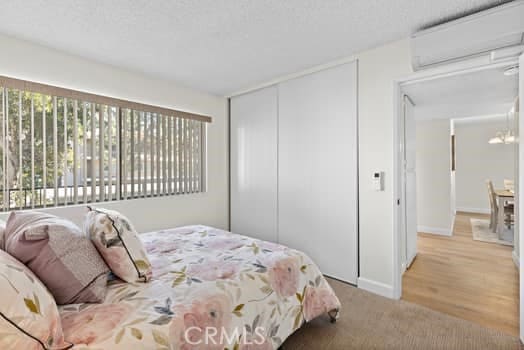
(468, 279)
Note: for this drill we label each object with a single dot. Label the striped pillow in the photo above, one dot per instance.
(56, 250)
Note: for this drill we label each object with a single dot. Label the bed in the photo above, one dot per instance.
(211, 289)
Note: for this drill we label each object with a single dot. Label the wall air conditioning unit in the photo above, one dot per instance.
(496, 33)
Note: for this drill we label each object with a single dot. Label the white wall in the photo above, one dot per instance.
(434, 212)
(516, 151)
(477, 161)
(36, 63)
(378, 68)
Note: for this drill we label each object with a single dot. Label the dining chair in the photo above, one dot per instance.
(509, 205)
(508, 208)
(492, 205)
(509, 214)
(509, 185)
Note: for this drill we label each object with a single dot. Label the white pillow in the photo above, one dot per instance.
(118, 243)
(29, 317)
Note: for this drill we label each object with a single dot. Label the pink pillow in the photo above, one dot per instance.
(59, 254)
(2, 234)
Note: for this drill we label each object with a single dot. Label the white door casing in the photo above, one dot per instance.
(455, 68)
(521, 195)
(409, 184)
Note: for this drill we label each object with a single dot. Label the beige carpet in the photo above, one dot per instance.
(368, 321)
(482, 232)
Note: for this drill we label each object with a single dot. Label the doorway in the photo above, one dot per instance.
(436, 245)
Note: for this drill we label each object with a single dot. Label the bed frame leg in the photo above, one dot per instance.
(333, 315)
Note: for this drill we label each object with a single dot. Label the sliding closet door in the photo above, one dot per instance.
(254, 164)
(318, 168)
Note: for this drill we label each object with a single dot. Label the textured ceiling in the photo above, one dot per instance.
(481, 93)
(222, 46)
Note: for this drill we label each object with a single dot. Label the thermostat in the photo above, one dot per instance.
(378, 183)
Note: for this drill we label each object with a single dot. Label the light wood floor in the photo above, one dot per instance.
(464, 278)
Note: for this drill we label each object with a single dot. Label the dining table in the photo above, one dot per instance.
(503, 196)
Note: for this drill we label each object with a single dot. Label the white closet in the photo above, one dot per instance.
(254, 164)
(310, 184)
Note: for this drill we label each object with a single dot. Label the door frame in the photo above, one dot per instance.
(520, 194)
(407, 260)
(452, 69)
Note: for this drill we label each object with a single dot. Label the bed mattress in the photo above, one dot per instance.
(211, 289)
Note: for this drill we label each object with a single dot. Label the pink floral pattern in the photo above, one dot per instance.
(223, 243)
(251, 294)
(94, 323)
(213, 269)
(26, 302)
(318, 300)
(117, 242)
(205, 312)
(284, 275)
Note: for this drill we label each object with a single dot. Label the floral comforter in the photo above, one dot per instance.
(211, 289)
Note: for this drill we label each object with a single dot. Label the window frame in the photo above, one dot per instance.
(82, 101)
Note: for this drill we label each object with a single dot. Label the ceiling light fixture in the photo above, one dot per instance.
(496, 140)
(504, 136)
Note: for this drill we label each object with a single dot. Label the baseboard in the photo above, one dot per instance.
(516, 259)
(434, 230)
(375, 287)
(474, 210)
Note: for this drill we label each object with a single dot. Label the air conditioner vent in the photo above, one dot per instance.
(474, 35)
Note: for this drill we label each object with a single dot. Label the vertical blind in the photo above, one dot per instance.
(161, 155)
(57, 151)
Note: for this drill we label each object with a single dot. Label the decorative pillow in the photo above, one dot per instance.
(59, 254)
(2, 235)
(29, 318)
(118, 243)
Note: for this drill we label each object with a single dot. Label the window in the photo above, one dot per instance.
(60, 147)
(161, 155)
